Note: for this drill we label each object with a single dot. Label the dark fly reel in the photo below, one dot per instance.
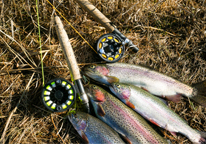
(58, 95)
(110, 47)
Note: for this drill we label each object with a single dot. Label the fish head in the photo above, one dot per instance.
(97, 98)
(79, 121)
(97, 72)
(122, 91)
(95, 93)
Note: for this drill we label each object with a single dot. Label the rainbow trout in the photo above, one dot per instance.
(155, 110)
(93, 130)
(149, 80)
(130, 125)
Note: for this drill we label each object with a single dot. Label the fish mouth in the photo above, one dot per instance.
(112, 89)
(87, 70)
(90, 73)
(95, 77)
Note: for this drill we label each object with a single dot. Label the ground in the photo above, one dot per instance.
(170, 35)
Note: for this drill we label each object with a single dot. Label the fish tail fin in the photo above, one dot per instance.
(200, 93)
(201, 88)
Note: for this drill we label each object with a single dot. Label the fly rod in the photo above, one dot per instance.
(110, 47)
(72, 63)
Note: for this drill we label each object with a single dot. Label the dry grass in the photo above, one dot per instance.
(170, 34)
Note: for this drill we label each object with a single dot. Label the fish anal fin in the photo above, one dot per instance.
(202, 139)
(128, 103)
(84, 137)
(100, 110)
(112, 79)
(175, 98)
(125, 139)
(174, 134)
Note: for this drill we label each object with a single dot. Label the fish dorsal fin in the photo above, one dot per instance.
(100, 110)
(112, 79)
(84, 137)
(126, 139)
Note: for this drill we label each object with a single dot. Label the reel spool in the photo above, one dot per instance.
(58, 95)
(110, 47)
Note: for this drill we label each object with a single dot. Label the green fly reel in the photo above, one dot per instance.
(110, 47)
(58, 95)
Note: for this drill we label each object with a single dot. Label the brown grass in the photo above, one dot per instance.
(170, 34)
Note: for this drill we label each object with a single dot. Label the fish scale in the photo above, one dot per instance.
(121, 118)
(92, 130)
(155, 110)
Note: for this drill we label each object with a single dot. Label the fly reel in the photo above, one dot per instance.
(110, 47)
(58, 95)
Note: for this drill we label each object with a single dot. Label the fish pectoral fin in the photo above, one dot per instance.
(125, 139)
(175, 98)
(84, 137)
(100, 110)
(152, 121)
(112, 79)
(128, 103)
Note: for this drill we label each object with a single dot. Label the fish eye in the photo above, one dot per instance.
(94, 86)
(117, 85)
(92, 66)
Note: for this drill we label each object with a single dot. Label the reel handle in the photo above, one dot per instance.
(134, 47)
(126, 40)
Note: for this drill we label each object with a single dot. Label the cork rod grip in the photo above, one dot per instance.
(91, 9)
(67, 49)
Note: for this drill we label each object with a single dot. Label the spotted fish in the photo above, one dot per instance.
(130, 125)
(155, 110)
